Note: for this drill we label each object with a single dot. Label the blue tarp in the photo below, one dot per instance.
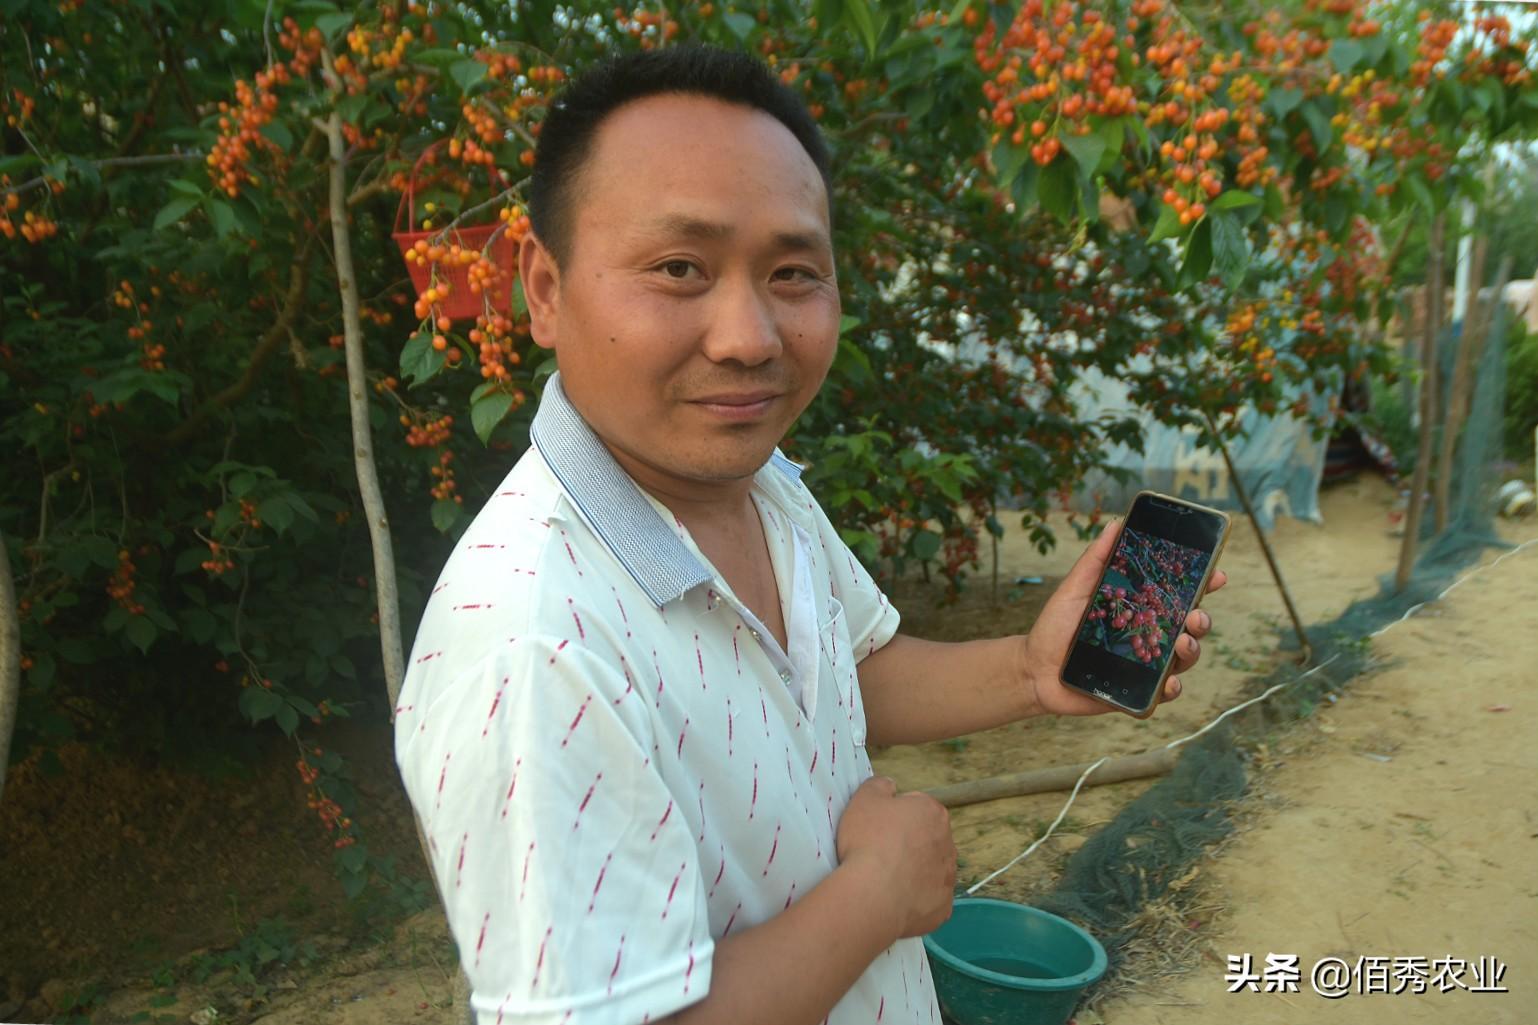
(1279, 460)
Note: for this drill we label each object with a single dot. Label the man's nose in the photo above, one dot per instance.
(743, 327)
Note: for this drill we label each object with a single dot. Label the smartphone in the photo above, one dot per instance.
(1158, 571)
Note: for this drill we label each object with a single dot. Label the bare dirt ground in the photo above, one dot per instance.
(1429, 853)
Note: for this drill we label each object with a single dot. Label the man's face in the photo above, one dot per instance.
(701, 268)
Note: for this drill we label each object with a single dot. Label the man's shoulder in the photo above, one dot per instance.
(505, 564)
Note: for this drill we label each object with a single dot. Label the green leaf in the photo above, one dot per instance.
(858, 14)
(847, 323)
(1008, 159)
(352, 858)
(141, 632)
(1233, 199)
(331, 24)
(300, 507)
(1319, 125)
(740, 24)
(1168, 225)
(1345, 53)
(287, 719)
(488, 411)
(276, 513)
(222, 215)
(199, 624)
(186, 188)
(350, 108)
(1230, 249)
(258, 703)
(926, 544)
(1086, 149)
(419, 360)
(1276, 206)
(241, 483)
(445, 512)
(175, 211)
(467, 73)
(280, 134)
(1198, 261)
(1114, 134)
(41, 673)
(1056, 189)
(353, 882)
(438, 57)
(520, 300)
(1281, 102)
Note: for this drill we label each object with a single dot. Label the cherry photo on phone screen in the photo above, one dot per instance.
(1141, 606)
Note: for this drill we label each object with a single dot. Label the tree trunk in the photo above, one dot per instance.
(10, 661)
(1428, 403)
(385, 593)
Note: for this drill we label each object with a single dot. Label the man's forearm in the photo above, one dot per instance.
(917, 691)
(793, 968)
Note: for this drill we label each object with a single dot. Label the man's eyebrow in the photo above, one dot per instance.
(685, 226)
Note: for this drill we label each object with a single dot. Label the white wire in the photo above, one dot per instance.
(1041, 839)
(1242, 705)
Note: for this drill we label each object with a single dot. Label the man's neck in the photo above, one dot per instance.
(723, 508)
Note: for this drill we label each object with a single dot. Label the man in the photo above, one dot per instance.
(633, 724)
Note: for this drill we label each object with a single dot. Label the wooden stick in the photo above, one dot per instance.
(1428, 404)
(1061, 777)
(1474, 316)
(1265, 545)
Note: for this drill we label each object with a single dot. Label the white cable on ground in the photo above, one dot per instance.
(1242, 705)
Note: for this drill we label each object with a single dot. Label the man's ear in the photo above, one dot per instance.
(541, 289)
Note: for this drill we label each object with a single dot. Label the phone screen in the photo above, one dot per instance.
(1126, 640)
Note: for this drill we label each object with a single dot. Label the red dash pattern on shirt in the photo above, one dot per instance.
(573, 727)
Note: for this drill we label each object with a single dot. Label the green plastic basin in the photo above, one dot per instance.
(1000, 963)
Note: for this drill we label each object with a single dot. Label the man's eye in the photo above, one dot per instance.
(791, 273)
(677, 268)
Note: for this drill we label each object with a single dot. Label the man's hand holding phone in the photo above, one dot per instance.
(1046, 647)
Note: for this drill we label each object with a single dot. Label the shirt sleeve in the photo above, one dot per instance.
(572, 886)
(873, 620)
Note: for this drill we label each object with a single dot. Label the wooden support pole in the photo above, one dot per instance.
(1265, 544)
(1428, 403)
(1061, 777)
(1470, 337)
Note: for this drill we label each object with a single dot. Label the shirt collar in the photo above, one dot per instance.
(613, 504)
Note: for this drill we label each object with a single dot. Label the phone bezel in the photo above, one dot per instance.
(1106, 697)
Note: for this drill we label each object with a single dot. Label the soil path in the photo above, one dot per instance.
(1402, 822)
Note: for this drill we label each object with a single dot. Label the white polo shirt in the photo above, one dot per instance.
(613, 760)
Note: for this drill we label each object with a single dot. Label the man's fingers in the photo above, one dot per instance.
(1187, 651)
(1219, 578)
(1087, 570)
(1198, 623)
(1172, 688)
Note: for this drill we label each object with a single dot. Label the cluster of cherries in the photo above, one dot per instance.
(120, 588)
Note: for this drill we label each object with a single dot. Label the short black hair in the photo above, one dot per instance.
(566, 136)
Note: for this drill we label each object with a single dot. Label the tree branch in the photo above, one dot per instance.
(148, 160)
(272, 340)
